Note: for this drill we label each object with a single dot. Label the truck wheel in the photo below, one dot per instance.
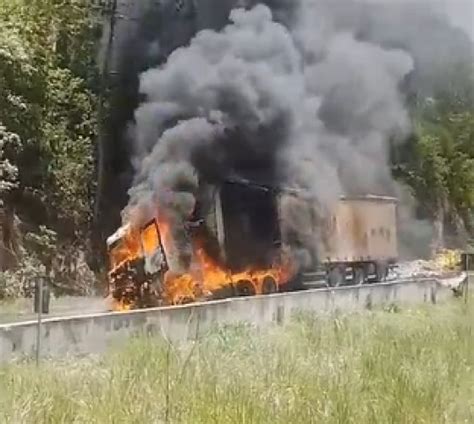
(381, 270)
(269, 285)
(358, 276)
(336, 276)
(224, 292)
(245, 288)
(370, 271)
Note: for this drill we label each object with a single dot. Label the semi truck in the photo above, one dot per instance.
(243, 244)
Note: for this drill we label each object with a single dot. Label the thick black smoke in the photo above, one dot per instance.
(310, 95)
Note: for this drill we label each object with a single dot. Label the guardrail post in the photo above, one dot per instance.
(39, 310)
(41, 306)
(42, 302)
(466, 289)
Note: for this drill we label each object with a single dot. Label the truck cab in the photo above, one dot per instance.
(234, 235)
(137, 266)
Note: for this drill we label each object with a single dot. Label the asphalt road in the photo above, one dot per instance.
(23, 310)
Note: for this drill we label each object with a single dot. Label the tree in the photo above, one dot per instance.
(437, 161)
(47, 100)
(10, 146)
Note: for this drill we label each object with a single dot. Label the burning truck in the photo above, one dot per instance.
(237, 242)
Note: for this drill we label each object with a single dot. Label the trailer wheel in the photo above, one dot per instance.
(358, 275)
(224, 292)
(336, 276)
(370, 271)
(296, 283)
(381, 270)
(245, 288)
(269, 285)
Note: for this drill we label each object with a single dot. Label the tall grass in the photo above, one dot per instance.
(380, 367)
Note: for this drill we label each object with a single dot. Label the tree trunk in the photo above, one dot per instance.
(3, 250)
(438, 225)
(461, 232)
(98, 236)
(9, 238)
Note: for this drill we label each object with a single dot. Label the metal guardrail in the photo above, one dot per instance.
(467, 263)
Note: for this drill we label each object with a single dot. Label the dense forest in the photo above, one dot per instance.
(49, 105)
(52, 103)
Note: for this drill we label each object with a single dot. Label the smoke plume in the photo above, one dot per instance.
(304, 93)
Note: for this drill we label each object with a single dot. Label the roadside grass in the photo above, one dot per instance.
(403, 366)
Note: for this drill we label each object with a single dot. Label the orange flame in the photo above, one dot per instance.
(128, 248)
(121, 306)
(206, 276)
(213, 278)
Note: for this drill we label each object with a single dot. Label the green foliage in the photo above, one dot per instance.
(69, 129)
(20, 83)
(48, 77)
(437, 162)
(20, 281)
(10, 147)
(42, 243)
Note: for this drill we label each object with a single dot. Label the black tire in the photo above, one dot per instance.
(358, 275)
(224, 292)
(296, 283)
(381, 270)
(336, 276)
(370, 271)
(245, 288)
(269, 285)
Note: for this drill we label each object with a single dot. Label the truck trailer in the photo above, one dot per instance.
(241, 246)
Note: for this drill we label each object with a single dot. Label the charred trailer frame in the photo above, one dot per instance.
(248, 225)
(357, 243)
(241, 226)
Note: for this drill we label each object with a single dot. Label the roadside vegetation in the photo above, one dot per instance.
(410, 366)
(49, 104)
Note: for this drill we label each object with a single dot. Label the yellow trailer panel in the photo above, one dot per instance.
(361, 229)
